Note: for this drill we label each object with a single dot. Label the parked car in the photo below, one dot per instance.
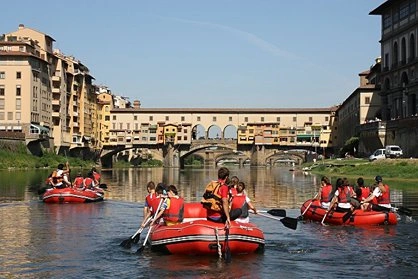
(378, 154)
(393, 151)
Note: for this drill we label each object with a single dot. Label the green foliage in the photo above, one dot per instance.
(349, 146)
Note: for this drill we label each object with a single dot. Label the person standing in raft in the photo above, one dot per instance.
(172, 209)
(217, 204)
(148, 201)
(325, 192)
(382, 194)
(242, 201)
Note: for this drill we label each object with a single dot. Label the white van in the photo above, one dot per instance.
(378, 154)
(393, 151)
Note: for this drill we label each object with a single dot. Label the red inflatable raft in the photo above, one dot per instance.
(197, 236)
(358, 218)
(70, 195)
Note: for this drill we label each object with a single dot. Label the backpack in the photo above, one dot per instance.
(211, 198)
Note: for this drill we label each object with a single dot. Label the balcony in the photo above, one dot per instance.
(56, 78)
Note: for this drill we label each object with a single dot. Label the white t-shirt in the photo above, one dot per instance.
(342, 204)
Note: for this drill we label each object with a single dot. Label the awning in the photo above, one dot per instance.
(41, 129)
(305, 136)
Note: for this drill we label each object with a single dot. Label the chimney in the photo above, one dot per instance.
(21, 26)
(137, 104)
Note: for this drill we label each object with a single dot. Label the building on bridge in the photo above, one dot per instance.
(154, 128)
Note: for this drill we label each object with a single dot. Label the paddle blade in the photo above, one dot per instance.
(291, 223)
(127, 243)
(404, 210)
(136, 238)
(347, 216)
(140, 249)
(277, 212)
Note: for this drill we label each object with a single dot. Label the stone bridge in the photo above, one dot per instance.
(213, 151)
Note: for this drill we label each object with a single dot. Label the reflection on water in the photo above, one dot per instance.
(82, 240)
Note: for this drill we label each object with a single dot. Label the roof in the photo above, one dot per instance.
(224, 110)
(379, 10)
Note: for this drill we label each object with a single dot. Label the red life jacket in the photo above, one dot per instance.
(96, 176)
(149, 198)
(240, 201)
(344, 194)
(88, 182)
(385, 197)
(175, 212)
(78, 181)
(365, 192)
(326, 193)
(154, 204)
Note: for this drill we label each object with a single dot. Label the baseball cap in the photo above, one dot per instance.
(378, 178)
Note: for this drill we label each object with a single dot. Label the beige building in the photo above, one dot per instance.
(281, 127)
(362, 106)
(44, 93)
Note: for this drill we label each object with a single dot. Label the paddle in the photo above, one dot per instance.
(103, 185)
(127, 243)
(277, 212)
(347, 216)
(323, 219)
(228, 256)
(288, 222)
(309, 205)
(403, 210)
(139, 251)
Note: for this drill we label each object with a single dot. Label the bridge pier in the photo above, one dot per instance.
(171, 156)
(258, 156)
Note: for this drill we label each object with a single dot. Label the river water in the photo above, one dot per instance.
(82, 240)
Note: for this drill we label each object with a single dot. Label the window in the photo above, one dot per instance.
(326, 118)
(18, 90)
(151, 118)
(135, 117)
(107, 117)
(367, 100)
(10, 115)
(198, 118)
(2, 90)
(1, 115)
(167, 118)
(18, 116)
(294, 119)
(18, 104)
(18, 75)
(245, 119)
(128, 126)
(262, 119)
(120, 125)
(230, 118)
(183, 118)
(1, 103)
(310, 118)
(2, 75)
(214, 119)
(114, 117)
(278, 119)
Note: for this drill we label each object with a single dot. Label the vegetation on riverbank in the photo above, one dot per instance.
(389, 168)
(18, 158)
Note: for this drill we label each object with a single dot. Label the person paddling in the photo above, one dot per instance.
(382, 194)
(242, 201)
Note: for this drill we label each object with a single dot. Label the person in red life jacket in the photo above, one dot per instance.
(223, 216)
(78, 181)
(242, 201)
(59, 178)
(342, 196)
(89, 182)
(148, 200)
(382, 194)
(172, 209)
(154, 204)
(362, 191)
(96, 176)
(233, 185)
(325, 192)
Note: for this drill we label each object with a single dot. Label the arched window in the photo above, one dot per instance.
(412, 47)
(403, 51)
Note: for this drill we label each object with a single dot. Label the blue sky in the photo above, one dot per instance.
(230, 53)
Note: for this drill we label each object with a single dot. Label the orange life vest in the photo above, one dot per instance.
(326, 193)
(385, 197)
(78, 182)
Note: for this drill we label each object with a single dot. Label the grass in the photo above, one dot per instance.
(390, 168)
